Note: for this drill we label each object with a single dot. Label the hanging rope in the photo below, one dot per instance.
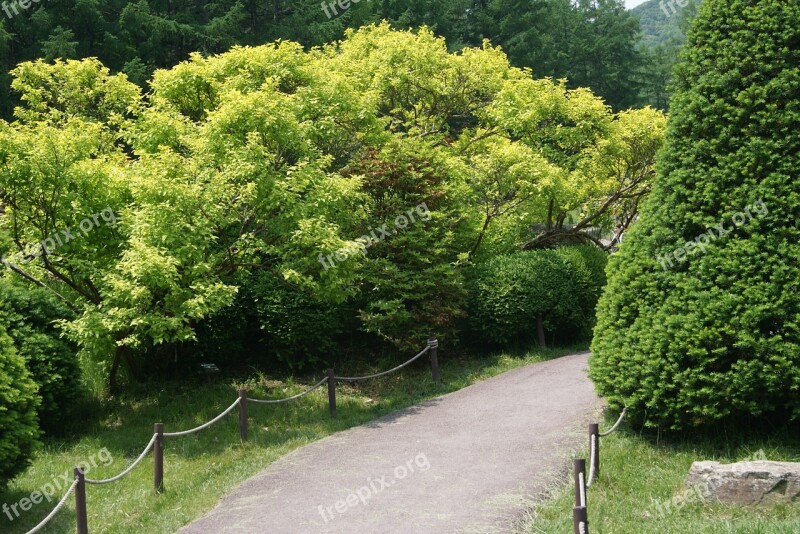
(130, 467)
(306, 392)
(592, 456)
(55, 510)
(370, 377)
(201, 427)
(616, 425)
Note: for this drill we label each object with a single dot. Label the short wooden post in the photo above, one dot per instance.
(579, 517)
(433, 343)
(80, 502)
(580, 482)
(158, 458)
(594, 430)
(243, 414)
(332, 392)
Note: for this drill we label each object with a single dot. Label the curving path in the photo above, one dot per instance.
(469, 461)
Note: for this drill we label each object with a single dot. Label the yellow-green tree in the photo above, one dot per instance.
(270, 159)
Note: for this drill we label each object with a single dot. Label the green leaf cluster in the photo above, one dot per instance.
(591, 43)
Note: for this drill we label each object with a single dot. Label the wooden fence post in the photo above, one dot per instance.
(80, 502)
(433, 343)
(158, 458)
(594, 436)
(579, 517)
(332, 392)
(580, 482)
(243, 414)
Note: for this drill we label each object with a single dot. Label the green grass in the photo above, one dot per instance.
(639, 471)
(201, 468)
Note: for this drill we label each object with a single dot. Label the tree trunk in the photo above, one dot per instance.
(112, 375)
(131, 366)
(120, 353)
(480, 236)
(540, 330)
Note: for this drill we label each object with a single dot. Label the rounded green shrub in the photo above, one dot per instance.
(508, 292)
(19, 431)
(295, 328)
(270, 322)
(700, 320)
(29, 315)
(588, 268)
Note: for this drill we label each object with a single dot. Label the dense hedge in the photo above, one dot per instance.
(508, 292)
(18, 403)
(271, 323)
(28, 315)
(700, 321)
(308, 338)
(588, 268)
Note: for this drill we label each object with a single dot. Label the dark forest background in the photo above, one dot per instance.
(624, 56)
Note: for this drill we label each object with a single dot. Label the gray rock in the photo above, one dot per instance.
(759, 482)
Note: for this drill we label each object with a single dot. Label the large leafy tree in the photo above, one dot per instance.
(601, 164)
(243, 187)
(699, 321)
(250, 166)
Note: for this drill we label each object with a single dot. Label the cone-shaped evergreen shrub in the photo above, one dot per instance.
(700, 320)
(19, 429)
(28, 316)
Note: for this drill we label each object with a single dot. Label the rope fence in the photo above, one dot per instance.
(593, 460)
(203, 427)
(58, 507)
(616, 425)
(156, 442)
(129, 469)
(580, 520)
(377, 375)
(287, 399)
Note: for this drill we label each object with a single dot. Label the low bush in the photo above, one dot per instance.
(508, 293)
(588, 270)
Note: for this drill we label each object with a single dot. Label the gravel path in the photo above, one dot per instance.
(470, 461)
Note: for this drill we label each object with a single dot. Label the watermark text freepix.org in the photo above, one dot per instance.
(366, 241)
(363, 494)
(330, 7)
(696, 492)
(15, 6)
(59, 238)
(680, 254)
(57, 486)
(664, 4)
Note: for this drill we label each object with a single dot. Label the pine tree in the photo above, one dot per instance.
(700, 321)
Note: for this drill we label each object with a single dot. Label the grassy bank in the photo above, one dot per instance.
(641, 474)
(201, 468)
